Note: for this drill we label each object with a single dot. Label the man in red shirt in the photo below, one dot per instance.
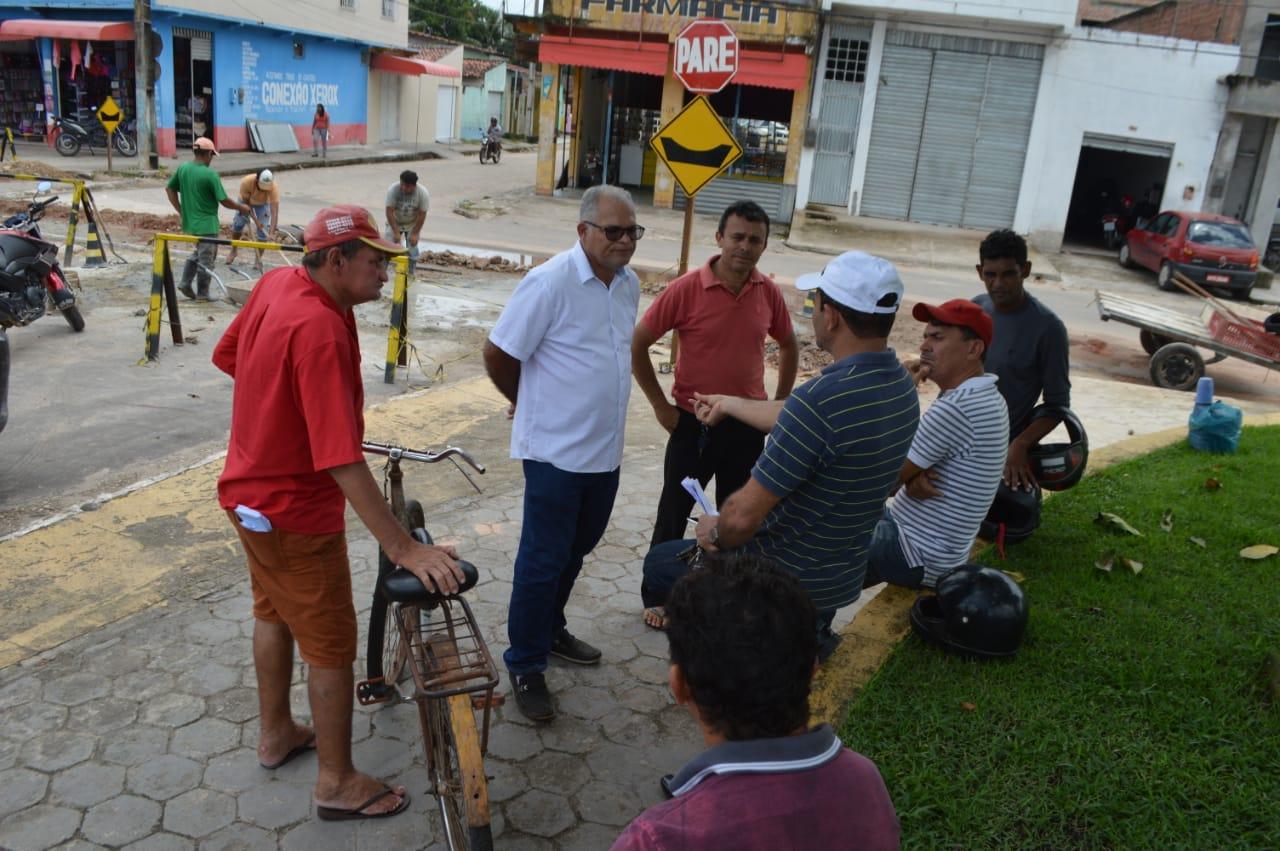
(293, 461)
(722, 313)
(742, 657)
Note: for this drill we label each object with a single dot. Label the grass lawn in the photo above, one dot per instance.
(1136, 714)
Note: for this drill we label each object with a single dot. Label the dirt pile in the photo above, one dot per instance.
(38, 169)
(488, 264)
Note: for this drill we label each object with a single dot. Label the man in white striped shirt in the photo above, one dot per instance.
(956, 459)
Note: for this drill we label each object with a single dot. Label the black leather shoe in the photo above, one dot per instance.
(665, 783)
(533, 698)
(574, 650)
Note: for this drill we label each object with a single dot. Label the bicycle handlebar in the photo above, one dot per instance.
(426, 456)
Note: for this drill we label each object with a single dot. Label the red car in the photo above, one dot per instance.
(1214, 251)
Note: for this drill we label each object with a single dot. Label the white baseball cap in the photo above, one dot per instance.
(265, 177)
(859, 281)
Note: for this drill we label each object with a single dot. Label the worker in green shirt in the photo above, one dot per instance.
(195, 191)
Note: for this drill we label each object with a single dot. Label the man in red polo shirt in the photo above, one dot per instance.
(293, 461)
(722, 313)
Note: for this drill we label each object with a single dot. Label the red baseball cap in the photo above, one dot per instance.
(958, 311)
(343, 223)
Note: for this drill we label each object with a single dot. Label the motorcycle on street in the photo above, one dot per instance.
(490, 151)
(74, 134)
(31, 281)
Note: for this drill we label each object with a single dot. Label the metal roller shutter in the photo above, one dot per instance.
(895, 131)
(954, 105)
(949, 135)
(777, 199)
(1001, 150)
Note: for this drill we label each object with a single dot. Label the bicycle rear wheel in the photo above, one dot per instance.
(456, 768)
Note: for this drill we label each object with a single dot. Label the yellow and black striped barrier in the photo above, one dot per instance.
(7, 145)
(164, 291)
(80, 194)
(398, 333)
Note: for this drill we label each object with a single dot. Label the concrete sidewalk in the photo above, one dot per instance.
(129, 718)
(94, 166)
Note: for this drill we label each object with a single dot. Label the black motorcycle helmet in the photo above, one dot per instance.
(978, 611)
(1058, 466)
(1015, 512)
(1272, 324)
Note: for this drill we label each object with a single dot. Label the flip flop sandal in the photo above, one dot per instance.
(308, 745)
(357, 813)
(657, 613)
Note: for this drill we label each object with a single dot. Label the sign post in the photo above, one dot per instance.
(110, 115)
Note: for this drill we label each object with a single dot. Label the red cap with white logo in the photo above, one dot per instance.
(343, 223)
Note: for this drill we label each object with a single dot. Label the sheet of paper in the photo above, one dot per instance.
(694, 487)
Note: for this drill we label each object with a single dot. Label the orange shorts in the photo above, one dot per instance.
(304, 582)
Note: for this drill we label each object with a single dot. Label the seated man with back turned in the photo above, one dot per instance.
(1028, 350)
(835, 448)
(956, 458)
(742, 660)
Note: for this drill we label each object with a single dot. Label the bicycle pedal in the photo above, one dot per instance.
(492, 701)
(370, 692)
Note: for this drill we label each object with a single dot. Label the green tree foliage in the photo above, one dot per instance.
(467, 21)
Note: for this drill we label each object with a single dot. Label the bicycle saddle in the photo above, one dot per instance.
(401, 586)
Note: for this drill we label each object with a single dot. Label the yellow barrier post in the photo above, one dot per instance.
(162, 289)
(76, 194)
(398, 333)
(7, 143)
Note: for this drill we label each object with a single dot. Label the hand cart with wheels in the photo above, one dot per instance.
(1172, 338)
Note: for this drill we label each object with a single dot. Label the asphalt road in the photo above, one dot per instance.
(87, 419)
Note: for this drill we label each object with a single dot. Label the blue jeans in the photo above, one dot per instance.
(565, 515)
(886, 562)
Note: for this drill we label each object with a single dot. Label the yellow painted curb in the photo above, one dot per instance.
(136, 551)
(882, 623)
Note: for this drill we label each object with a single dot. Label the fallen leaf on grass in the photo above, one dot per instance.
(1105, 561)
(1134, 566)
(1212, 484)
(1259, 551)
(968, 707)
(1116, 522)
(1199, 542)
(1166, 522)
(1015, 576)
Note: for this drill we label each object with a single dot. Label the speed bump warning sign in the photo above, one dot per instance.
(696, 145)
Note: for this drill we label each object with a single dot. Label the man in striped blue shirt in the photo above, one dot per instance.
(835, 448)
(956, 459)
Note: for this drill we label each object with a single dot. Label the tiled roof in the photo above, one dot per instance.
(477, 67)
(436, 52)
(1100, 11)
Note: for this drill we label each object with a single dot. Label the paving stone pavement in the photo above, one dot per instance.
(141, 734)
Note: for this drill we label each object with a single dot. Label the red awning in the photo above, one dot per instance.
(772, 70)
(408, 65)
(25, 28)
(641, 57)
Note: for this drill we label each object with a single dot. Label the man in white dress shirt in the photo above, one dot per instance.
(561, 353)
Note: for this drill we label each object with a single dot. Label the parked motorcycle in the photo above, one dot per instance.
(490, 151)
(74, 134)
(1116, 224)
(30, 281)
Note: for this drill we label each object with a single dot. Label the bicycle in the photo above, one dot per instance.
(452, 671)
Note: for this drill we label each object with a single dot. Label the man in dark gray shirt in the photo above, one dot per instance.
(1028, 350)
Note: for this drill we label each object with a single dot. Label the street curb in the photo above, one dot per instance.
(1055, 275)
(875, 631)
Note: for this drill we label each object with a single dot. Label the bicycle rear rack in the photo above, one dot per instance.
(448, 656)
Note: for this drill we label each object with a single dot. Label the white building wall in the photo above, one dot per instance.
(361, 20)
(1058, 14)
(1127, 85)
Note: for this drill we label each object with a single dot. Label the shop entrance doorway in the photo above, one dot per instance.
(192, 85)
(1114, 175)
